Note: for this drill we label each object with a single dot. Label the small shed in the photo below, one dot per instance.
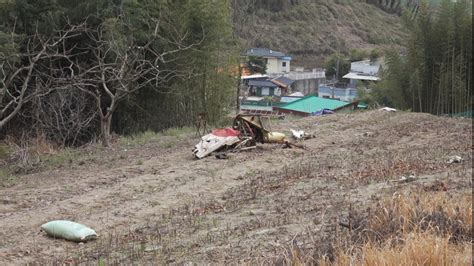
(311, 105)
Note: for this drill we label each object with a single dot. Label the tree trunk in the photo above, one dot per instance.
(239, 78)
(105, 124)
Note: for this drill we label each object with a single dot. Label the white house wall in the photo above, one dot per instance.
(306, 86)
(365, 67)
(275, 65)
(272, 65)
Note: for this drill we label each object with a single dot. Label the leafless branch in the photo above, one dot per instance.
(17, 84)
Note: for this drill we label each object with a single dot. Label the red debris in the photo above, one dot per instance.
(225, 132)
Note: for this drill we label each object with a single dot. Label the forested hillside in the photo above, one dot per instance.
(312, 30)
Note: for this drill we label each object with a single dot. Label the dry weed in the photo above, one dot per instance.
(416, 229)
(441, 212)
(416, 249)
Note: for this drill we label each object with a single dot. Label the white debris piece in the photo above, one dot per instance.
(297, 134)
(388, 109)
(454, 159)
(210, 143)
(406, 179)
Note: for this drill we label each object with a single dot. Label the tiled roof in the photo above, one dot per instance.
(283, 81)
(262, 83)
(264, 52)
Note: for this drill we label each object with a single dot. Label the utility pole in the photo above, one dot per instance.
(337, 77)
(239, 79)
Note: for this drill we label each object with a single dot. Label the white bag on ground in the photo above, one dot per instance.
(69, 230)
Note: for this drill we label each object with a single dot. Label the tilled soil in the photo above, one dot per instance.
(152, 204)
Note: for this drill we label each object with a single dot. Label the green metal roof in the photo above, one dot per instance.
(311, 104)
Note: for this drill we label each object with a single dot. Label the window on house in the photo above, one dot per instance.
(253, 91)
(283, 64)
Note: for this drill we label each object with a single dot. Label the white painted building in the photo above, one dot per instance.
(307, 81)
(277, 62)
(363, 71)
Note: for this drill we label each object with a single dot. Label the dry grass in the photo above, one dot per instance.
(416, 249)
(444, 213)
(156, 137)
(434, 228)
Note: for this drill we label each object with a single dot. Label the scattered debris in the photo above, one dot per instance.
(388, 109)
(297, 134)
(454, 159)
(251, 126)
(152, 248)
(216, 141)
(301, 135)
(291, 145)
(69, 230)
(247, 130)
(247, 148)
(405, 179)
(222, 156)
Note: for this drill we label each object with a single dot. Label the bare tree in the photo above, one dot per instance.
(19, 80)
(120, 68)
(65, 115)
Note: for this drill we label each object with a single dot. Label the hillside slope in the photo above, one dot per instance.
(311, 30)
(154, 204)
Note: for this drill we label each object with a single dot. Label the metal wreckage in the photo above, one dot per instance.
(245, 133)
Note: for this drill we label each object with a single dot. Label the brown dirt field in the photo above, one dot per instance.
(154, 205)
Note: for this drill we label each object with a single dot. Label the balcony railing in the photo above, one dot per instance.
(296, 75)
(338, 91)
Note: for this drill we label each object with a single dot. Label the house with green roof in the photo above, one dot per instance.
(311, 105)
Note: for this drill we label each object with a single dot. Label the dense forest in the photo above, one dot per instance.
(435, 73)
(74, 70)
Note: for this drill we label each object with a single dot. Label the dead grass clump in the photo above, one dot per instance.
(415, 249)
(440, 212)
(419, 228)
(432, 228)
